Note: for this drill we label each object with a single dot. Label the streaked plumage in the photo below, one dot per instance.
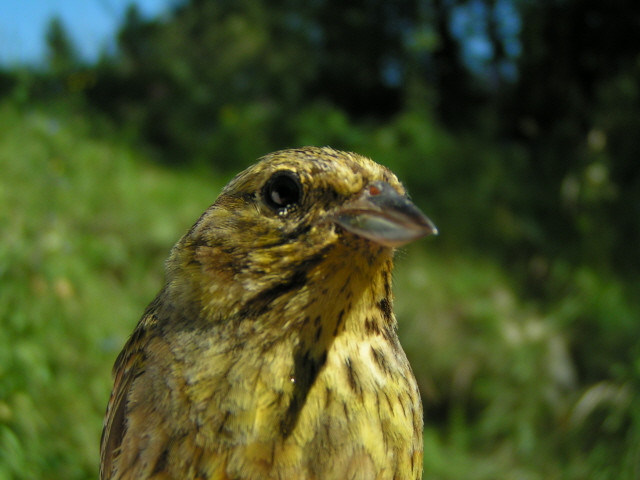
(271, 352)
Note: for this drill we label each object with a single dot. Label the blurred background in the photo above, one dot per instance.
(515, 125)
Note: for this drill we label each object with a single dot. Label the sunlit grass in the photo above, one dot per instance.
(85, 227)
(86, 222)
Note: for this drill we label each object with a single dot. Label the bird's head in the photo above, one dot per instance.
(293, 213)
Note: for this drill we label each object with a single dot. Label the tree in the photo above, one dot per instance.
(61, 55)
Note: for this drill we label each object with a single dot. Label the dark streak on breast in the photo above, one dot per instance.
(338, 322)
(318, 334)
(385, 307)
(371, 326)
(305, 371)
(161, 462)
(352, 376)
(222, 425)
(327, 397)
(387, 280)
(380, 360)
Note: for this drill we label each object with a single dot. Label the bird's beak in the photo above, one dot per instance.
(382, 215)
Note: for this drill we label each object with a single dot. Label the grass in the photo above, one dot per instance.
(85, 227)
(86, 223)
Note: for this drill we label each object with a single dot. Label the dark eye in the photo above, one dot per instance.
(282, 190)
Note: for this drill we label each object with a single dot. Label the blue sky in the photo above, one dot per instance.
(90, 24)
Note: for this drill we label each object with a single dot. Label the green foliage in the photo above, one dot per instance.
(61, 55)
(464, 180)
(536, 164)
(521, 319)
(512, 388)
(189, 85)
(84, 229)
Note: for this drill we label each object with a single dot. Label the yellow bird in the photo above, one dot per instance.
(271, 351)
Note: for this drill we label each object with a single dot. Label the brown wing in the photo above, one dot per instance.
(128, 366)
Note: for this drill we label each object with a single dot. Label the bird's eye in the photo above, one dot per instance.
(282, 190)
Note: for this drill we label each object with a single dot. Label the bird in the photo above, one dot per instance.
(271, 351)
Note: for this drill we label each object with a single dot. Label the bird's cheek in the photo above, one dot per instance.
(215, 262)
